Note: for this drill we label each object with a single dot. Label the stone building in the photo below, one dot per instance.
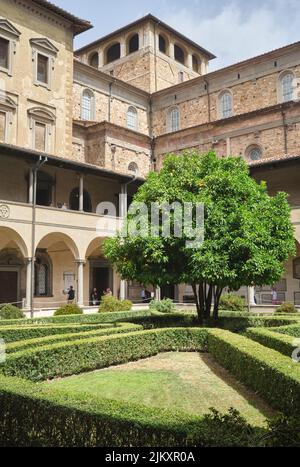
(77, 129)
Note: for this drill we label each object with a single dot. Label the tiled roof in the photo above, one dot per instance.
(275, 159)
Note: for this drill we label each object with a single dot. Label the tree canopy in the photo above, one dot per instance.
(248, 235)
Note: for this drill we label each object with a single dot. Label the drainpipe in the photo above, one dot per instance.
(285, 132)
(42, 160)
(208, 99)
(151, 133)
(110, 98)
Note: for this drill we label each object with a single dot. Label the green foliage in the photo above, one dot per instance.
(163, 306)
(293, 330)
(232, 302)
(16, 333)
(273, 376)
(274, 340)
(248, 234)
(99, 352)
(77, 319)
(110, 304)
(68, 310)
(104, 330)
(10, 312)
(287, 308)
(284, 432)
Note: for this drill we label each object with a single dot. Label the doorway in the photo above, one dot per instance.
(8, 286)
(101, 280)
(168, 291)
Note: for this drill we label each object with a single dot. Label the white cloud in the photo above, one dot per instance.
(234, 34)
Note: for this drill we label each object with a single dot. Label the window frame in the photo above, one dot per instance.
(44, 117)
(171, 128)
(221, 109)
(92, 105)
(8, 107)
(282, 76)
(43, 47)
(135, 113)
(9, 33)
(45, 260)
(251, 148)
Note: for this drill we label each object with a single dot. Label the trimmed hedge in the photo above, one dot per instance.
(79, 319)
(293, 330)
(17, 333)
(280, 342)
(42, 341)
(65, 359)
(272, 375)
(35, 415)
(230, 322)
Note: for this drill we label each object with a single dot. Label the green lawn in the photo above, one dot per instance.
(188, 382)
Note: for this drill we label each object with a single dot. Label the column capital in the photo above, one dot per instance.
(80, 262)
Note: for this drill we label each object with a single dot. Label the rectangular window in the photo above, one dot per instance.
(2, 126)
(40, 136)
(42, 69)
(4, 53)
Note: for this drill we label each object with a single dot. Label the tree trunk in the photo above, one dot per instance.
(217, 296)
(198, 304)
(208, 300)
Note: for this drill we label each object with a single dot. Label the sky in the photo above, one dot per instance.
(233, 30)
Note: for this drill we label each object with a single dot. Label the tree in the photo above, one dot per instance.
(248, 234)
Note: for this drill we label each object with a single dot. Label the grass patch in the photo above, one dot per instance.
(187, 382)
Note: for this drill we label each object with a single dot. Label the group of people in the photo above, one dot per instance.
(96, 296)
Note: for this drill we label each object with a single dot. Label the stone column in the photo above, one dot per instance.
(30, 193)
(190, 61)
(123, 290)
(171, 50)
(123, 201)
(251, 297)
(28, 283)
(81, 193)
(158, 294)
(80, 265)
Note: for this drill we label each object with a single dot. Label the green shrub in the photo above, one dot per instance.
(68, 310)
(68, 358)
(42, 341)
(284, 432)
(17, 333)
(274, 340)
(287, 308)
(273, 376)
(78, 319)
(110, 304)
(292, 330)
(50, 418)
(232, 302)
(163, 306)
(10, 312)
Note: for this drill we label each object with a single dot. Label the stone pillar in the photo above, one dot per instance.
(81, 192)
(28, 284)
(30, 193)
(123, 201)
(101, 58)
(80, 264)
(171, 50)
(251, 297)
(190, 61)
(158, 294)
(123, 48)
(123, 290)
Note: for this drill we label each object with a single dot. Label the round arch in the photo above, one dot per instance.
(95, 245)
(8, 235)
(57, 237)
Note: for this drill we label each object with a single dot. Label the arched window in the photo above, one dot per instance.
(87, 105)
(196, 63)
(287, 88)
(132, 118)
(94, 60)
(254, 153)
(174, 119)
(113, 53)
(162, 44)
(133, 167)
(133, 44)
(43, 274)
(74, 201)
(179, 54)
(225, 105)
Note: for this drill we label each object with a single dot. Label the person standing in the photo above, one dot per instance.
(95, 297)
(274, 297)
(71, 295)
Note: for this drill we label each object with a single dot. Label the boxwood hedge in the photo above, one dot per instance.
(283, 343)
(272, 375)
(17, 333)
(78, 319)
(120, 328)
